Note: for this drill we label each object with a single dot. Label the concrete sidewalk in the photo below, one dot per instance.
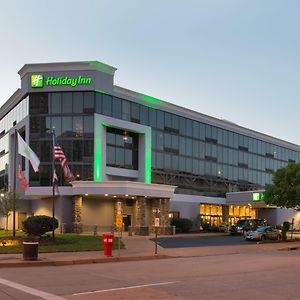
(140, 248)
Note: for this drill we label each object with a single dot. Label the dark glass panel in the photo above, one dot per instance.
(116, 108)
(55, 103)
(126, 110)
(107, 105)
(99, 103)
(78, 102)
(88, 103)
(135, 112)
(144, 115)
(88, 150)
(78, 126)
(88, 126)
(67, 103)
(77, 150)
(67, 127)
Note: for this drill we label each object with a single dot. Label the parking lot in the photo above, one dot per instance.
(201, 241)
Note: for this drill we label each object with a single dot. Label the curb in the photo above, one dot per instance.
(57, 263)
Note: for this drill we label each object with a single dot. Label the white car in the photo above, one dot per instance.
(263, 233)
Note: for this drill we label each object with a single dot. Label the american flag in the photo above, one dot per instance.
(59, 155)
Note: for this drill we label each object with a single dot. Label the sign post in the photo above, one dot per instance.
(119, 224)
(156, 212)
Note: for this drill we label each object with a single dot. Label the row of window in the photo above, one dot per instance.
(89, 102)
(174, 163)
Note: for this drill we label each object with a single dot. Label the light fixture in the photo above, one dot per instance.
(126, 195)
(86, 194)
(125, 137)
(2, 195)
(106, 195)
(132, 197)
(115, 196)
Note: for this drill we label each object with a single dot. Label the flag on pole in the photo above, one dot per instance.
(59, 154)
(22, 180)
(26, 151)
(55, 181)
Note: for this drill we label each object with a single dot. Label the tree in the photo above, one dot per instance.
(8, 203)
(285, 190)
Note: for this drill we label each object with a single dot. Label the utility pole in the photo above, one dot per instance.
(53, 184)
(15, 184)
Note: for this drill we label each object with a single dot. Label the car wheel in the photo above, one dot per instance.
(263, 238)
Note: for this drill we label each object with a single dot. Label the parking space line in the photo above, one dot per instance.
(126, 288)
(30, 290)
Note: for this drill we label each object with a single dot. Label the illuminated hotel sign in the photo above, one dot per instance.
(258, 196)
(39, 81)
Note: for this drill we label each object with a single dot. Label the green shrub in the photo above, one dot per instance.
(38, 225)
(182, 225)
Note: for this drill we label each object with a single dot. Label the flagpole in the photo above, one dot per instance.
(53, 184)
(15, 185)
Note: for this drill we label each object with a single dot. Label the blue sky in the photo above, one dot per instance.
(231, 59)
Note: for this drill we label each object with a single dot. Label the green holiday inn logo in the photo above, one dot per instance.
(38, 81)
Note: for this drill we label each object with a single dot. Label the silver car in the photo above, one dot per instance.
(263, 233)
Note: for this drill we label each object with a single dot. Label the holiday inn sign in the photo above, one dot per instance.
(39, 81)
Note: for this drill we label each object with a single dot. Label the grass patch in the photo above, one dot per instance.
(62, 243)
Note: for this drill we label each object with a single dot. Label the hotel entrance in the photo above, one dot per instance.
(211, 214)
(237, 212)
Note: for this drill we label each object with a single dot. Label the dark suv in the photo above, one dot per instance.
(245, 225)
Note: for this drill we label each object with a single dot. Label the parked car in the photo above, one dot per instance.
(263, 233)
(245, 225)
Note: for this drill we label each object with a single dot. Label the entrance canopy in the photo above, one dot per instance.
(105, 188)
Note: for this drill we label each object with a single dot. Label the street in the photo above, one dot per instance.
(267, 274)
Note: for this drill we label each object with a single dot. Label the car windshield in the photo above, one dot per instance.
(261, 228)
(241, 222)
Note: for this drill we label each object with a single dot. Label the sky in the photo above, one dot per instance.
(231, 59)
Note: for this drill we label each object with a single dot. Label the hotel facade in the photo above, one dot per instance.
(126, 147)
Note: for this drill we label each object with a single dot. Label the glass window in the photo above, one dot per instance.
(67, 103)
(196, 129)
(144, 115)
(116, 108)
(160, 119)
(106, 105)
(99, 103)
(55, 103)
(67, 128)
(189, 127)
(77, 150)
(126, 110)
(135, 112)
(182, 126)
(78, 102)
(152, 118)
(88, 104)
(78, 126)
(88, 126)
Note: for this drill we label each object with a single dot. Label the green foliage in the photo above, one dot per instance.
(285, 191)
(38, 225)
(8, 203)
(204, 225)
(182, 225)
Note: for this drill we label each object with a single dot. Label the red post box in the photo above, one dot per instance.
(108, 241)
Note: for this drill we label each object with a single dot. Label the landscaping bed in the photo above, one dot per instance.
(62, 243)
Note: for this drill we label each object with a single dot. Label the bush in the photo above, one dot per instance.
(182, 224)
(38, 225)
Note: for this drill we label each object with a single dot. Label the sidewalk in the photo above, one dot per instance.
(139, 248)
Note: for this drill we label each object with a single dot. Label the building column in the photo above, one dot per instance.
(77, 214)
(141, 226)
(225, 214)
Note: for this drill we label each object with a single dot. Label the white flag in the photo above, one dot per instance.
(27, 152)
